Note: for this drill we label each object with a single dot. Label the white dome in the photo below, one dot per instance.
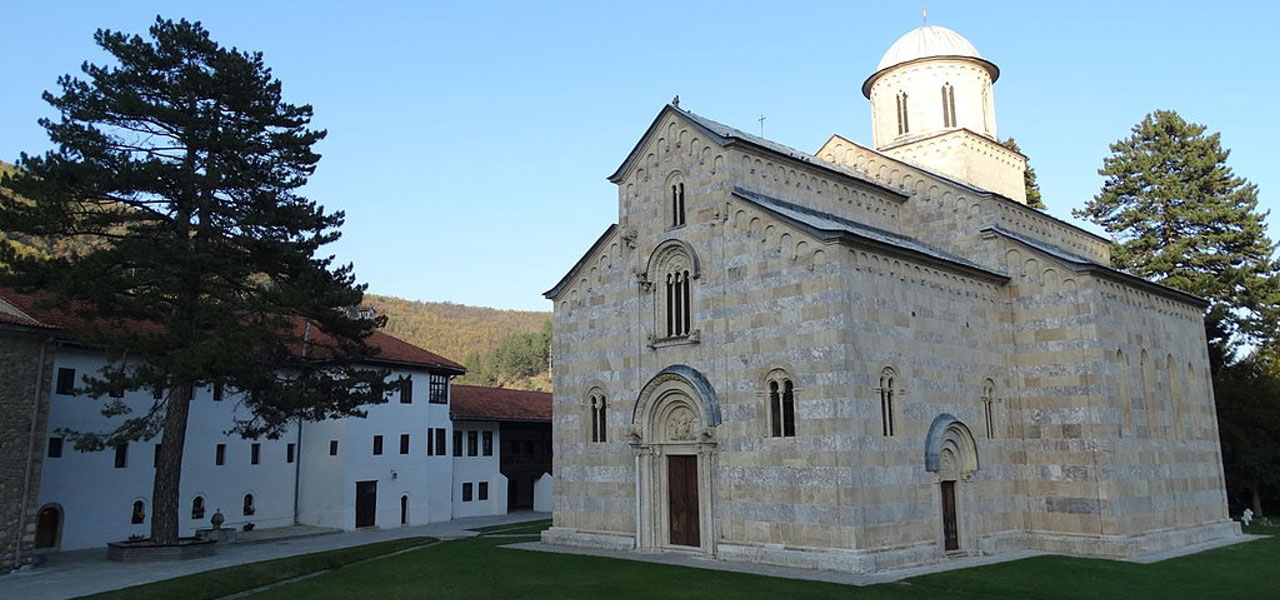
(924, 42)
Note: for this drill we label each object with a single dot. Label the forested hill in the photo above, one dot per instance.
(458, 332)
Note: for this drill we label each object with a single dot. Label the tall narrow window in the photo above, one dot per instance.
(599, 422)
(887, 393)
(122, 456)
(217, 392)
(66, 382)
(220, 454)
(55, 447)
(1125, 398)
(431, 442)
(473, 443)
(788, 410)
(139, 512)
(255, 454)
(988, 407)
(440, 442)
(782, 405)
(904, 123)
(377, 445)
(673, 268)
(487, 444)
(289, 453)
(1175, 398)
(466, 492)
(406, 391)
(404, 510)
(948, 106)
(197, 507)
(404, 443)
(155, 457)
(775, 410)
(248, 509)
(1148, 394)
(457, 443)
(333, 447)
(482, 491)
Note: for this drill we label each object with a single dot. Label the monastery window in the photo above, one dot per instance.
(457, 443)
(677, 203)
(139, 514)
(1125, 396)
(333, 447)
(482, 490)
(404, 510)
(988, 407)
(197, 507)
(66, 382)
(487, 443)
(289, 453)
(1148, 394)
(948, 105)
(904, 125)
(122, 456)
(220, 454)
(888, 396)
(255, 454)
(782, 405)
(404, 443)
(406, 391)
(1175, 397)
(377, 445)
(466, 492)
(439, 389)
(218, 391)
(248, 508)
(55, 447)
(599, 416)
(440, 442)
(473, 443)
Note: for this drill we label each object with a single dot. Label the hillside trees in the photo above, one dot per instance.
(179, 164)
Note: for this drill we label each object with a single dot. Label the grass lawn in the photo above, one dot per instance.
(230, 580)
(478, 568)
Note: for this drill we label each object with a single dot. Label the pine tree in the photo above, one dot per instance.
(179, 163)
(1180, 216)
(1028, 178)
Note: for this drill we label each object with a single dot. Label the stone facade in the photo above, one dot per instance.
(25, 403)
(849, 361)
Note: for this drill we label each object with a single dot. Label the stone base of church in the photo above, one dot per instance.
(1131, 546)
(568, 536)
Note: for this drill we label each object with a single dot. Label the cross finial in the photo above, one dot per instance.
(761, 119)
(676, 101)
(924, 12)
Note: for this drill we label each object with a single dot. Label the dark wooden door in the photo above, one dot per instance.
(949, 533)
(682, 489)
(366, 503)
(47, 524)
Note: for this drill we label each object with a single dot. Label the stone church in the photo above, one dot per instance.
(871, 357)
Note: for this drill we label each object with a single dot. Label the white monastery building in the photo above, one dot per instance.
(407, 463)
(871, 357)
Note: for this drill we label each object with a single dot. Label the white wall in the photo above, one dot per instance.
(96, 498)
(543, 490)
(477, 469)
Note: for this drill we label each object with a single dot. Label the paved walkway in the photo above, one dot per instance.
(81, 572)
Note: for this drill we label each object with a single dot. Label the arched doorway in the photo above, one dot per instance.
(951, 457)
(673, 437)
(48, 527)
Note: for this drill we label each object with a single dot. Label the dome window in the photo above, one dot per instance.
(948, 105)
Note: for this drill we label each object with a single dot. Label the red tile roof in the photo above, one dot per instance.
(46, 313)
(477, 403)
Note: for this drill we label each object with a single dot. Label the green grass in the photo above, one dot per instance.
(478, 568)
(513, 528)
(230, 580)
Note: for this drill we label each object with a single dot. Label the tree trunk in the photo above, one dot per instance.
(1257, 501)
(168, 478)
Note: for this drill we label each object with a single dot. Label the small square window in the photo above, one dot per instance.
(220, 455)
(288, 453)
(377, 445)
(483, 492)
(122, 456)
(66, 382)
(466, 492)
(333, 447)
(255, 454)
(404, 443)
(488, 443)
(55, 447)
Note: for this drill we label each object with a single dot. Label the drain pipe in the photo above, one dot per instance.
(297, 470)
(31, 446)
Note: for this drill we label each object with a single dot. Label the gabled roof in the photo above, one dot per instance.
(1081, 264)
(476, 403)
(45, 310)
(726, 136)
(826, 226)
(568, 277)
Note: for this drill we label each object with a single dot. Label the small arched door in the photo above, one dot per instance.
(48, 527)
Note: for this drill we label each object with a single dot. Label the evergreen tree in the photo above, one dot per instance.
(1028, 178)
(1248, 400)
(180, 163)
(1180, 216)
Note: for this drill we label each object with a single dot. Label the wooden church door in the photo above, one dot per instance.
(949, 530)
(682, 491)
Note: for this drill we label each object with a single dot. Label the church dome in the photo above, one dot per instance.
(930, 41)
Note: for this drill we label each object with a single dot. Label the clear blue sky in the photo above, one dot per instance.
(469, 141)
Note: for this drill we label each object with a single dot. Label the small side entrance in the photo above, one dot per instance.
(48, 527)
(366, 503)
(682, 489)
(950, 533)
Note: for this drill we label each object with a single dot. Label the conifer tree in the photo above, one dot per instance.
(1028, 178)
(1181, 217)
(180, 163)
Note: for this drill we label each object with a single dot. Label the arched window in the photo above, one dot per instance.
(197, 507)
(248, 505)
(1148, 394)
(948, 105)
(139, 512)
(1175, 397)
(988, 407)
(903, 124)
(888, 392)
(677, 203)
(673, 270)
(599, 417)
(782, 405)
(1195, 396)
(404, 510)
(1125, 398)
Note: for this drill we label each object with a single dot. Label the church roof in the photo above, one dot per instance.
(725, 135)
(828, 226)
(930, 41)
